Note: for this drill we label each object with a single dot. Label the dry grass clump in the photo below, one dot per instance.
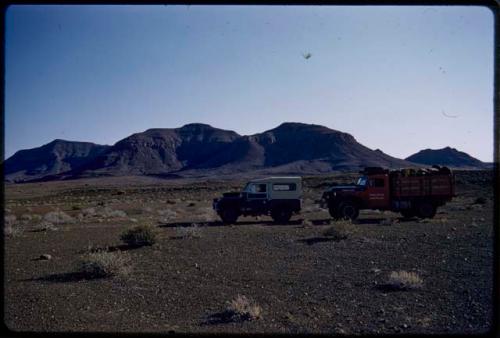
(140, 235)
(403, 280)
(242, 308)
(58, 217)
(103, 264)
(193, 231)
(340, 230)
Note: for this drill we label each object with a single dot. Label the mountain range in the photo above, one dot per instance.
(199, 149)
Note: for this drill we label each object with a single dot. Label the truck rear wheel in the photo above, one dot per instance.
(228, 216)
(281, 215)
(426, 210)
(348, 210)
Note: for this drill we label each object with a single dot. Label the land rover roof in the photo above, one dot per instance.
(277, 179)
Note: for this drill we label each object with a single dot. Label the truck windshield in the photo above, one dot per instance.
(361, 181)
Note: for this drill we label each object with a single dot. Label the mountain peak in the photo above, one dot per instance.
(447, 156)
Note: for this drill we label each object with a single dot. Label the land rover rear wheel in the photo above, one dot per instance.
(281, 215)
(348, 210)
(228, 216)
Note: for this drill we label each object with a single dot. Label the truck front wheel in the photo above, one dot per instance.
(228, 216)
(348, 210)
(426, 210)
(281, 215)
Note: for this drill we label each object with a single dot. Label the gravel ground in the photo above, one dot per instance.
(304, 281)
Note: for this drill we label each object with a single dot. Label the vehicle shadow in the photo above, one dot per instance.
(314, 240)
(219, 223)
(66, 277)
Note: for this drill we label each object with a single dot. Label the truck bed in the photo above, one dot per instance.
(422, 186)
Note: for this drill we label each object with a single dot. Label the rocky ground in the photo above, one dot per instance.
(301, 279)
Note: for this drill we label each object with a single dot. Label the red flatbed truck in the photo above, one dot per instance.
(408, 191)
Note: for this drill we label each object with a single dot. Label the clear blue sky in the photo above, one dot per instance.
(390, 76)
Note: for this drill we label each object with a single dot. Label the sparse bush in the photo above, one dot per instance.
(140, 235)
(339, 231)
(193, 231)
(242, 308)
(402, 280)
(45, 226)
(480, 200)
(58, 217)
(102, 264)
(191, 204)
(75, 207)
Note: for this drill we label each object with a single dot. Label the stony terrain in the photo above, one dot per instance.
(302, 279)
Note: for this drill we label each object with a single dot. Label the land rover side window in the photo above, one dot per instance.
(284, 187)
(376, 182)
(257, 188)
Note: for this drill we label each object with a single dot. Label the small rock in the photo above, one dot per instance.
(375, 270)
(45, 257)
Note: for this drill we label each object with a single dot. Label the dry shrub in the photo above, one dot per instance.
(140, 235)
(45, 226)
(340, 230)
(11, 231)
(26, 217)
(102, 264)
(403, 280)
(108, 212)
(193, 231)
(58, 217)
(242, 308)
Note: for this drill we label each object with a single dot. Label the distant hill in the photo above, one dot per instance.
(449, 157)
(53, 158)
(201, 150)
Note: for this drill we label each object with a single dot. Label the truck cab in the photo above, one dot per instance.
(279, 197)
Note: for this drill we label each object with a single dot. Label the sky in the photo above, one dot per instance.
(397, 78)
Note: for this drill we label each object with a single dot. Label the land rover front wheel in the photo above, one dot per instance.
(228, 216)
(348, 210)
(281, 215)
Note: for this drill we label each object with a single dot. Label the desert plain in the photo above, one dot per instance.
(298, 277)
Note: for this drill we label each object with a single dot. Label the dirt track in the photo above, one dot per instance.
(303, 281)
